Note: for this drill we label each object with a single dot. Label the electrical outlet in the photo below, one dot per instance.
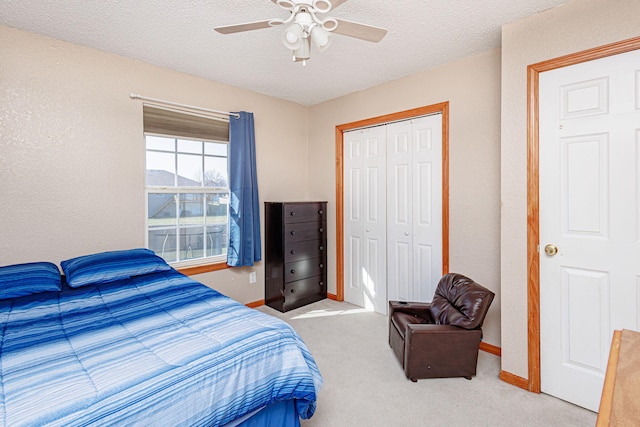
(252, 277)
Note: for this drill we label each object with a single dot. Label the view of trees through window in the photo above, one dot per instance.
(187, 198)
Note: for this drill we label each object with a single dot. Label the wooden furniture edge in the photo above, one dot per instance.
(606, 400)
(515, 380)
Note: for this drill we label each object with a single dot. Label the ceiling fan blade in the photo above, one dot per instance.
(247, 26)
(360, 31)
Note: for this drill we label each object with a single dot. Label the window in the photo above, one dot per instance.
(187, 195)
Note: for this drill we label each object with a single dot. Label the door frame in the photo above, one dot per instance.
(441, 108)
(533, 200)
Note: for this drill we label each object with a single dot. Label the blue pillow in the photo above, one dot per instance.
(31, 278)
(111, 266)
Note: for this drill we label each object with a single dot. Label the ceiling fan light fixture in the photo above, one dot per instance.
(292, 36)
(320, 38)
(303, 52)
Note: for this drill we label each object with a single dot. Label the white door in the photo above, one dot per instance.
(407, 207)
(590, 211)
(414, 208)
(365, 218)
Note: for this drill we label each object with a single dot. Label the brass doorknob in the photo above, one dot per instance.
(550, 249)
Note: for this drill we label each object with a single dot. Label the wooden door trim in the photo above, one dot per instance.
(442, 108)
(533, 191)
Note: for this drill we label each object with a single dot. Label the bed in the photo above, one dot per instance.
(124, 339)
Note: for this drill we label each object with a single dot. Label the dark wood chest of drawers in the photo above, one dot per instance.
(296, 254)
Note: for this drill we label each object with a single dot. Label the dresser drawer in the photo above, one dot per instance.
(304, 212)
(298, 270)
(302, 289)
(303, 250)
(299, 232)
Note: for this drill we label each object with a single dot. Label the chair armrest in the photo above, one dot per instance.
(442, 335)
(415, 308)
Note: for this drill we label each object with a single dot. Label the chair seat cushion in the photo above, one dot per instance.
(400, 321)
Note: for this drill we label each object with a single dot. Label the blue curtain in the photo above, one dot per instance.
(244, 210)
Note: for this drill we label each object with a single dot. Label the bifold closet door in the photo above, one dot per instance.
(414, 208)
(393, 212)
(365, 276)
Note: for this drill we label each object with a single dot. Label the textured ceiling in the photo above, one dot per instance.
(180, 35)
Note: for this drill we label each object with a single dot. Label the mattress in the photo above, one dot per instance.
(155, 349)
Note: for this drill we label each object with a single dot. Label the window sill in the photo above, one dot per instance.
(206, 268)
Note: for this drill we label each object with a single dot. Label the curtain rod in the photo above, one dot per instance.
(175, 104)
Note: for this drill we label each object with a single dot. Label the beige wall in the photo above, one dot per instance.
(72, 153)
(72, 156)
(579, 25)
(472, 86)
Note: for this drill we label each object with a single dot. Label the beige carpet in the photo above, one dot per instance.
(364, 384)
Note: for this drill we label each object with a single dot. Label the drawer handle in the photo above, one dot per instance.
(322, 230)
(292, 213)
(293, 233)
(322, 248)
(320, 212)
(321, 265)
(293, 291)
(293, 252)
(321, 283)
(293, 272)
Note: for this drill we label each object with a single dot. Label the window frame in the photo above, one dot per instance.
(196, 265)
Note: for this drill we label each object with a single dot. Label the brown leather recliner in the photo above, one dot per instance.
(441, 338)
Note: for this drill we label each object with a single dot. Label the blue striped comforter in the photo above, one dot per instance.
(158, 349)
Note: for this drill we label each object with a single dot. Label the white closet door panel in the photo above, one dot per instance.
(365, 224)
(427, 205)
(400, 271)
(423, 268)
(353, 231)
(399, 210)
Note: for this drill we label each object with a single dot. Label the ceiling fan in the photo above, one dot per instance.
(306, 27)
